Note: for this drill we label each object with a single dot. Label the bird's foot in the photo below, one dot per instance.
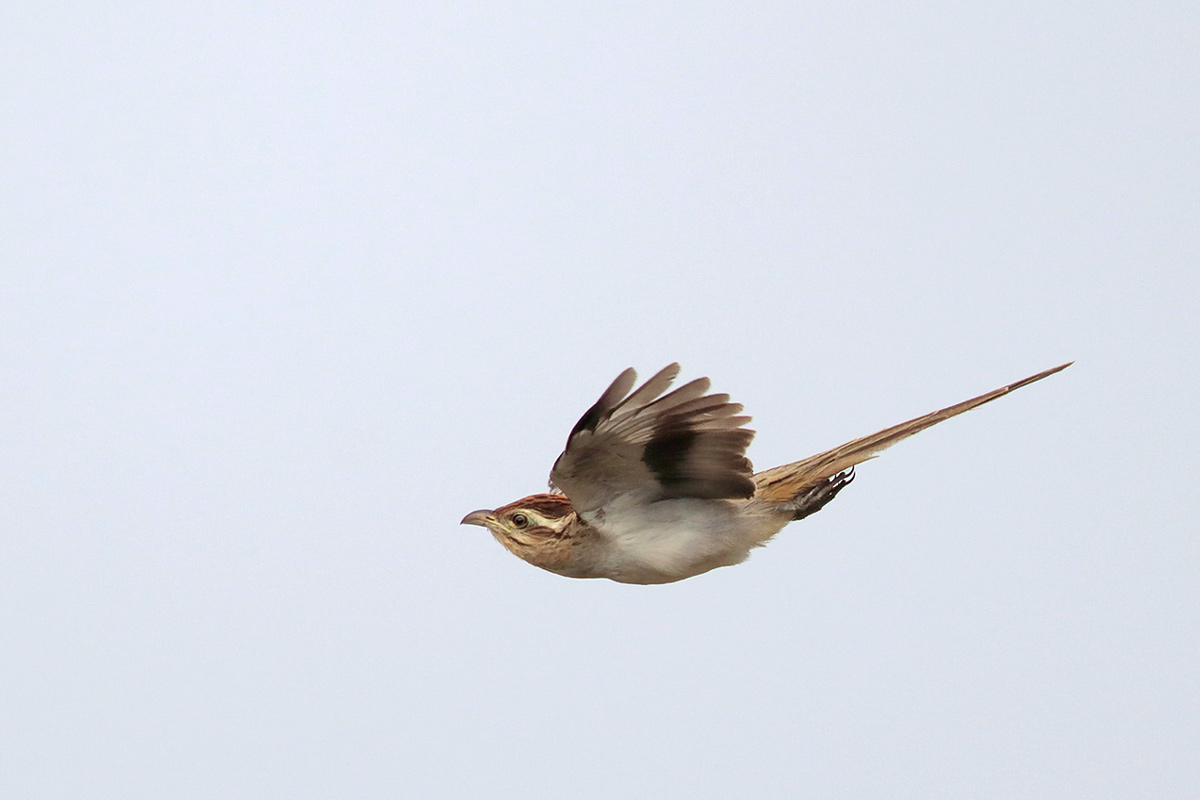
(813, 500)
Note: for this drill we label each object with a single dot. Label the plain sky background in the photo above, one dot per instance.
(288, 288)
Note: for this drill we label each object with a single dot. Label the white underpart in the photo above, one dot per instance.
(668, 540)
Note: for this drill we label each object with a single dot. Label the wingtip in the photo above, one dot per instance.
(673, 369)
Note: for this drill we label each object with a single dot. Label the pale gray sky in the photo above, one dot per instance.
(290, 287)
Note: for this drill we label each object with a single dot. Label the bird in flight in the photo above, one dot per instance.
(655, 488)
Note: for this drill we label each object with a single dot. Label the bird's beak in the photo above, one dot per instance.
(481, 518)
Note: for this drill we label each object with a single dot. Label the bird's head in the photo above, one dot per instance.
(536, 528)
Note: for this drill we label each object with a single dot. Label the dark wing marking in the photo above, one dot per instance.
(683, 444)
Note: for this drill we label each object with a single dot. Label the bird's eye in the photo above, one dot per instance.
(520, 520)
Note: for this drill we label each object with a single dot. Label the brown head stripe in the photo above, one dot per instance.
(549, 506)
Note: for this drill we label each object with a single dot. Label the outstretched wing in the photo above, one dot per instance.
(683, 444)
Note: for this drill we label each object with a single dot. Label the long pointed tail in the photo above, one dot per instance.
(783, 484)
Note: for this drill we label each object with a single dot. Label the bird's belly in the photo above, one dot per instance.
(669, 540)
